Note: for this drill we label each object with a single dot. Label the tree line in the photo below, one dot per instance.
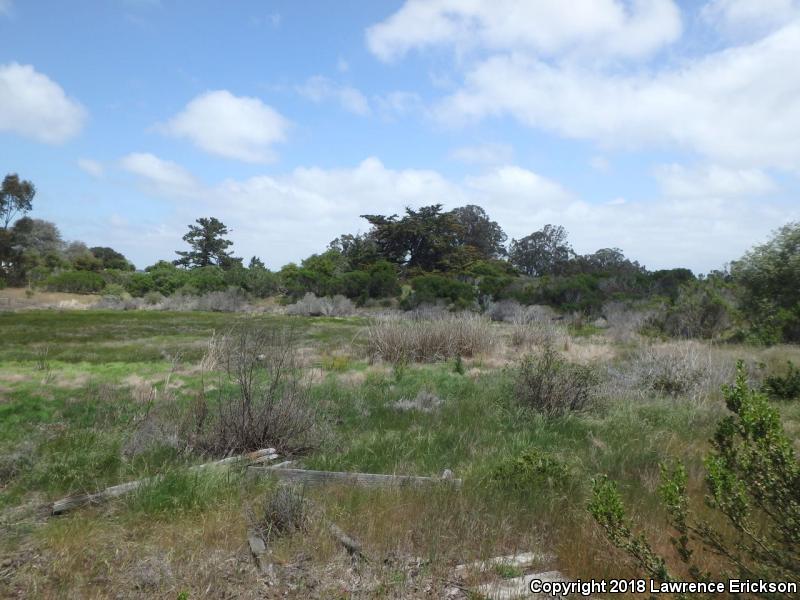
(460, 258)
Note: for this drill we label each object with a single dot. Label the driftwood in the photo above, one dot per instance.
(361, 479)
(71, 502)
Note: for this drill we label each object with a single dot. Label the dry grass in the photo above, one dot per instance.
(400, 340)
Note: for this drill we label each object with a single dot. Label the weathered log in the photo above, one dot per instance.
(350, 544)
(71, 502)
(361, 479)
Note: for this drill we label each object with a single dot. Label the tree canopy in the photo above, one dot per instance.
(544, 252)
(16, 198)
(208, 245)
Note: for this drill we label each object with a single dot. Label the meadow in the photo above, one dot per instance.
(93, 398)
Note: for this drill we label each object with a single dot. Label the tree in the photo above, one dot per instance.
(209, 247)
(770, 277)
(544, 252)
(425, 239)
(16, 197)
(111, 259)
(479, 232)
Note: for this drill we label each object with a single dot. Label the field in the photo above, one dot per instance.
(77, 387)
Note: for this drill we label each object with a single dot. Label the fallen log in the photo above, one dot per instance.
(517, 587)
(71, 502)
(309, 477)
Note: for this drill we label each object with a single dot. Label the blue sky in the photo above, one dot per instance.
(668, 129)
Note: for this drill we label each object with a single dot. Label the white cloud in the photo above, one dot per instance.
(236, 127)
(712, 181)
(34, 106)
(92, 167)
(591, 28)
(320, 89)
(162, 176)
(737, 106)
(489, 154)
(399, 103)
(269, 215)
(750, 17)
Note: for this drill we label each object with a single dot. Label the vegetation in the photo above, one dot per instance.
(752, 478)
(428, 256)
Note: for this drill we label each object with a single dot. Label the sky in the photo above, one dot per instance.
(668, 129)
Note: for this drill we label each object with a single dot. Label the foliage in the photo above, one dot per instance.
(428, 289)
(701, 309)
(76, 282)
(752, 478)
(549, 384)
(783, 387)
(16, 197)
(529, 470)
(208, 245)
(479, 233)
(544, 252)
(770, 278)
(111, 259)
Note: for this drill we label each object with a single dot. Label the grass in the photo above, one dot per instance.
(64, 429)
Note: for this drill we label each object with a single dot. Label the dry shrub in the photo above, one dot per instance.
(676, 369)
(424, 401)
(286, 511)
(262, 399)
(625, 322)
(401, 340)
(230, 300)
(553, 386)
(312, 306)
(531, 329)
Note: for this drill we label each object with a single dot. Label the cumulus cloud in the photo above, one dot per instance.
(237, 127)
(34, 106)
(92, 167)
(592, 28)
(162, 176)
(736, 105)
(489, 154)
(320, 89)
(269, 215)
(713, 181)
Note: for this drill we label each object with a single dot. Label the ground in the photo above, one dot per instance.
(74, 385)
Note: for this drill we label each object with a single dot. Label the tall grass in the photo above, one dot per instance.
(401, 340)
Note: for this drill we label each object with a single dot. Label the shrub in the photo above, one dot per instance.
(311, 306)
(153, 298)
(752, 478)
(530, 330)
(428, 289)
(75, 282)
(549, 384)
(784, 387)
(702, 309)
(286, 511)
(674, 370)
(529, 470)
(114, 290)
(262, 399)
(419, 340)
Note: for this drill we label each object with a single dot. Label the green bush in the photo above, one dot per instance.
(529, 470)
(752, 479)
(75, 282)
(429, 289)
(783, 387)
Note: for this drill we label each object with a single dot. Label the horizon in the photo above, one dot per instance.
(666, 129)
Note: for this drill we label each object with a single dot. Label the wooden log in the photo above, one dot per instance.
(71, 502)
(360, 479)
